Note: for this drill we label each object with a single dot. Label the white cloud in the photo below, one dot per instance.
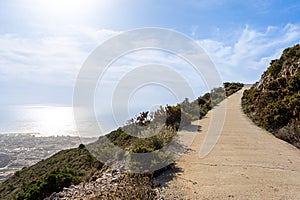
(54, 59)
(250, 55)
(57, 58)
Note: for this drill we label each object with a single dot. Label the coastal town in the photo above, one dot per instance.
(22, 150)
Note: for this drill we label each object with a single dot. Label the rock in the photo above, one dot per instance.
(61, 195)
(53, 196)
(73, 187)
(113, 180)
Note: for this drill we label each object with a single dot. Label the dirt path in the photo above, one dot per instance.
(246, 163)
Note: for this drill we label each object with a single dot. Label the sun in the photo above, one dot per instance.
(65, 6)
(62, 9)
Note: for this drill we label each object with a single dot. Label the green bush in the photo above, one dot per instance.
(294, 83)
(173, 116)
(156, 142)
(231, 88)
(141, 149)
(275, 67)
(201, 101)
(55, 181)
(292, 105)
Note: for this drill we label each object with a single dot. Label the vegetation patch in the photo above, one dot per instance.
(51, 175)
(274, 102)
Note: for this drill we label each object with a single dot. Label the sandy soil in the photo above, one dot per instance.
(246, 163)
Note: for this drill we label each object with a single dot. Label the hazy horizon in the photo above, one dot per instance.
(45, 43)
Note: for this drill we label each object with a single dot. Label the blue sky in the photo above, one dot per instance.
(44, 43)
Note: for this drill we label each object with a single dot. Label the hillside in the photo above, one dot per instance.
(78, 166)
(40, 180)
(274, 102)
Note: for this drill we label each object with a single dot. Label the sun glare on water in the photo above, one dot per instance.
(50, 120)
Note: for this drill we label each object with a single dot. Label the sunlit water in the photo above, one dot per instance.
(38, 119)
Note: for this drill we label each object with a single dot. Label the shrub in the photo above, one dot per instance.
(294, 83)
(141, 149)
(292, 105)
(55, 181)
(201, 101)
(156, 142)
(290, 133)
(274, 116)
(275, 67)
(173, 116)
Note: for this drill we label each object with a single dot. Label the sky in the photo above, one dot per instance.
(45, 43)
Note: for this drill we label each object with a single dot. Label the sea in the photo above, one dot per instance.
(50, 120)
(40, 120)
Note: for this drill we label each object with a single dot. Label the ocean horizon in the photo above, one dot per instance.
(49, 120)
(39, 120)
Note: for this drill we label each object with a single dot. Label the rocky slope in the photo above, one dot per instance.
(274, 102)
(109, 184)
